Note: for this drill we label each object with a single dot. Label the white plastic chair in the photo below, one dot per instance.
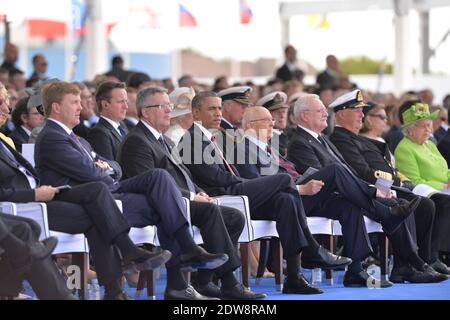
(74, 244)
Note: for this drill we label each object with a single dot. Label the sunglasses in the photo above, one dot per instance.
(379, 116)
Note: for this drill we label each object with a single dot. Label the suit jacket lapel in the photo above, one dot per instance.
(21, 160)
(108, 125)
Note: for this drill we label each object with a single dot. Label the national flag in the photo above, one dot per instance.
(47, 29)
(318, 21)
(246, 12)
(186, 18)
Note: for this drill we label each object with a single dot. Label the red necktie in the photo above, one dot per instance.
(288, 166)
(213, 140)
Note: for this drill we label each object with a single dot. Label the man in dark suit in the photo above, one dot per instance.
(444, 147)
(329, 78)
(22, 256)
(289, 70)
(309, 148)
(105, 136)
(151, 198)
(88, 115)
(25, 118)
(270, 198)
(117, 69)
(87, 208)
(276, 103)
(146, 148)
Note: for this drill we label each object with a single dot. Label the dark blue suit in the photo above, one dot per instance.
(270, 198)
(104, 139)
(19, 136)
(151, 198)
(306, 151)
(327, 203)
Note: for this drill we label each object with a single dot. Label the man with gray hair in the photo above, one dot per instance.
(309, 148)
(146, 148)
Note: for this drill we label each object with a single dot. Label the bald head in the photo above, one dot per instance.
(257, 121)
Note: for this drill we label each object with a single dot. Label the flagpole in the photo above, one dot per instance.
(69, 47)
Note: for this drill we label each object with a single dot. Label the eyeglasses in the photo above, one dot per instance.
(379, 116)
(318, 111)
(265, 120)
(169, 106)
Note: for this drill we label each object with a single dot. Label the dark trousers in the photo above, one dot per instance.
(424, 217)
(276, 198)
(91, 209)
(153, 198)
(354, 195)
(43, 276)
(220, 228)
(441, 226)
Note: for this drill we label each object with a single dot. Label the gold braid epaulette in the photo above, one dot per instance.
(383, 175)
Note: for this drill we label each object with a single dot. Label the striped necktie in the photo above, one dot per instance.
(216, 147)
(288, 166)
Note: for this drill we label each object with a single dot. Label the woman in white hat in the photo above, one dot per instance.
(181, 116)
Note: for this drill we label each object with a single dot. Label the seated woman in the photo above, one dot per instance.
(419, 159)
(181, 116)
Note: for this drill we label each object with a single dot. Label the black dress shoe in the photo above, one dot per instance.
(410, 274)
(146, 260)
(209, 289)
(201, 259)
(440, 267)
(363, 279)
(119, 296)
(324, 259)
(186, 294)
(399, 213)
(41, 250)
(239, 292)
(36, 251)
(299, 285)
(430, 269)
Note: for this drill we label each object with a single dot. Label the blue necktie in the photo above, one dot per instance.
(121, 131)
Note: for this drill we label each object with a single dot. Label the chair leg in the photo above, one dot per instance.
(264, 247)
(81, 259)
(329, 273)
(384, 252)
(245, 260)
(278, 264)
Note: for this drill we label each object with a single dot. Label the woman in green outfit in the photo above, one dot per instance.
(419, 159)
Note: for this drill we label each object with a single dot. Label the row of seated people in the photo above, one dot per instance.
(151, 198)
(154, 110)
(145, 147)
(57, 151)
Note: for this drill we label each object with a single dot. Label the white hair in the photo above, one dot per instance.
(409, 129)
(303, 103)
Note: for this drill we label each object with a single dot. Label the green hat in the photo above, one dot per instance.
(418, 111)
